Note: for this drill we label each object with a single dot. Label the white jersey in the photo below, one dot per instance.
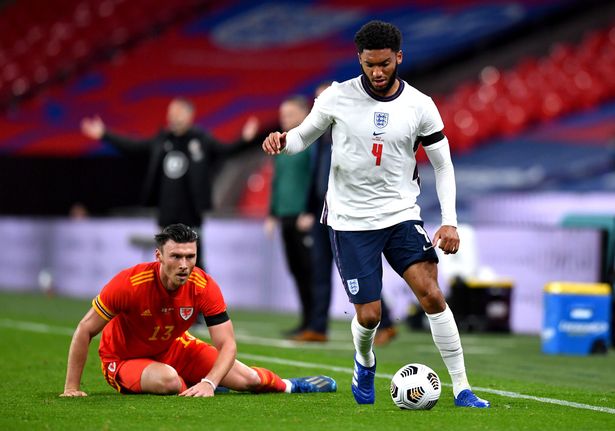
(373, 182)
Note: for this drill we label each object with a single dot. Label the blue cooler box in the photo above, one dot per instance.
(577, 318)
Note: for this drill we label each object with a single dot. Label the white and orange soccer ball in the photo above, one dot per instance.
(415, 387)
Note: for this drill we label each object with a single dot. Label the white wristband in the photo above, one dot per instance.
(213, 385)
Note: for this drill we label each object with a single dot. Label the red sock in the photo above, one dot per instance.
(270, 381)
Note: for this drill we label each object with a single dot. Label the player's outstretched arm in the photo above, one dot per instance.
(88, 328)
(94, 128)
(274, 143)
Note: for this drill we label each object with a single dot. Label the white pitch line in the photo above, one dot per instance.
(289, 344)
(58, 330)
(246, 337)
(548, 400)
(390, 376)
(36, 327)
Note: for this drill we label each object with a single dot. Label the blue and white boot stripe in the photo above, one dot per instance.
(318, 381)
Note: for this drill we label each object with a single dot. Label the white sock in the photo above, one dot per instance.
(289, 385)
(363, 340)
(446, 337)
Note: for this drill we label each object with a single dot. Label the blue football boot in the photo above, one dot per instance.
(466, 398)
(312, 384)
(363, 383)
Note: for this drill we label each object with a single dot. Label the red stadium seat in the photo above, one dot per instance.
(571, 77)
(63, 35)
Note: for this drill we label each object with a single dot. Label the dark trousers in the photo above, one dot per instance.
(200, 248)
(322, 257)
(385, 316)
(297, 246)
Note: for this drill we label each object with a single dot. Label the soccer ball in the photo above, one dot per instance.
(415, 387)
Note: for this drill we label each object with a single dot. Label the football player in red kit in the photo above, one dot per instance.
(144, 314)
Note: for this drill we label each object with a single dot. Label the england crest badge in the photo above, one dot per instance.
(381, 119)
(353, 286)
(186, 312)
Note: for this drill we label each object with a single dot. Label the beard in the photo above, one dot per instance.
(389, 85)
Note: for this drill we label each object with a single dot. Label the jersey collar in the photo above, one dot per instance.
(373, 95)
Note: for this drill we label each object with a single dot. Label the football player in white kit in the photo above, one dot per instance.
(378, 121)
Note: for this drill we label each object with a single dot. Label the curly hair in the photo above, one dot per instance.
(180, 233)
(378, 35)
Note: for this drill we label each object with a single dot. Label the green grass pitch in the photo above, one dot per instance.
(528, 390)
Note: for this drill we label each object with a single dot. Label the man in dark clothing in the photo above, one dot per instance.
(289, 186)
(321, 254)
(182, 158)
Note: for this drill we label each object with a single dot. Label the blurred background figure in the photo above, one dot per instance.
(289, 187)
(182, 162)
(386, 331)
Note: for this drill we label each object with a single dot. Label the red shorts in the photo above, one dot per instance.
(192, 359)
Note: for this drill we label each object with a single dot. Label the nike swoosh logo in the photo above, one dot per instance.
(378, 134)
(427, 248)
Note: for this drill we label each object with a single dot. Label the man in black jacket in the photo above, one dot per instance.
(182, 158)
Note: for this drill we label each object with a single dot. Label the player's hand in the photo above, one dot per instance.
(274, 143)
(250, 129)
(270, 226)
(447, 239)
(73, 393)
(202, 389)
(93, 127)
(305, 221)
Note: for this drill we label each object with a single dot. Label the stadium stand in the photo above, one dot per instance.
(43, 42)
(569, 79)
(495, 70)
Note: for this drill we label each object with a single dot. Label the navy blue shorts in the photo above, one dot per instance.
(358, 256)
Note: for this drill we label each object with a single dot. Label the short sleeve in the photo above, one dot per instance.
(431, 122)
(112, 298)
(211, 301)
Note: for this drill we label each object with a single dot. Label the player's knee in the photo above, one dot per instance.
(167, 382)
(369, 317)
(433, 301)
(170, 385)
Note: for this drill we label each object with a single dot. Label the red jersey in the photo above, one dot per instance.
(144, 317)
